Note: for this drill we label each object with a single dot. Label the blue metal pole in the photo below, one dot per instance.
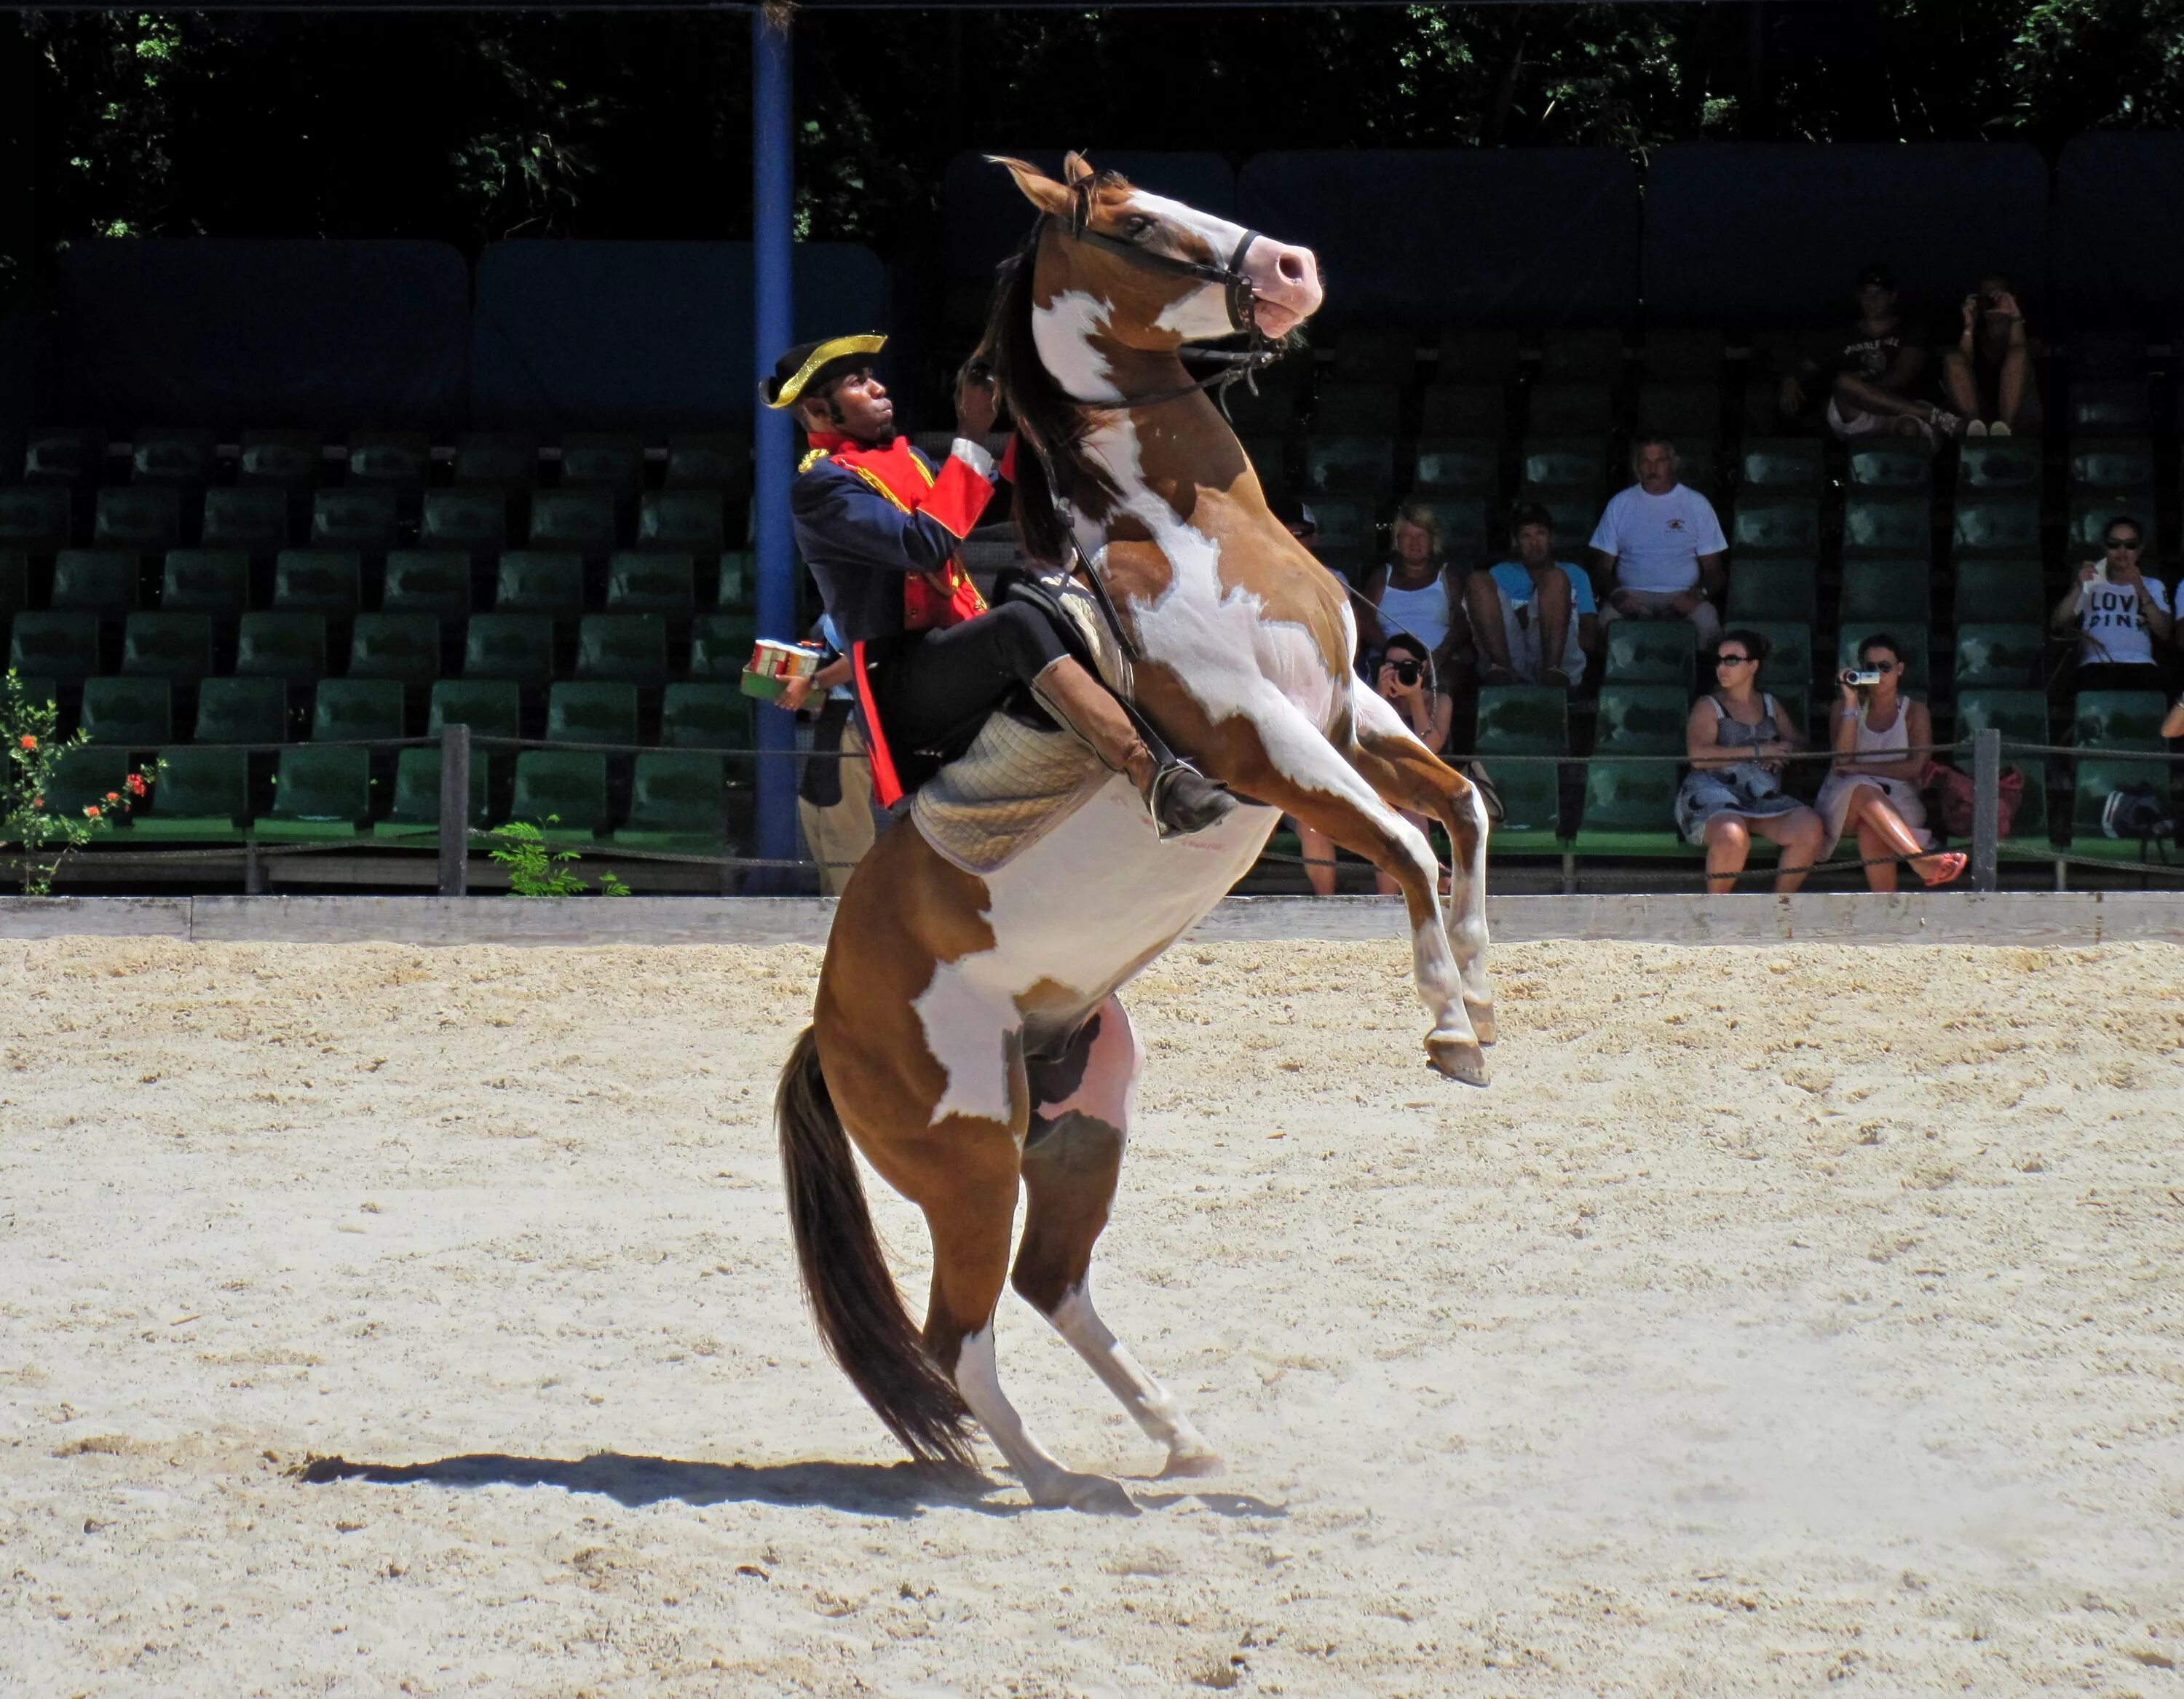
(773, 189)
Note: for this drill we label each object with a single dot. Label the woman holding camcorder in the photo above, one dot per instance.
(1882, 742)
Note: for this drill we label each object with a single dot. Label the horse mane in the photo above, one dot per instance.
(1049, 424)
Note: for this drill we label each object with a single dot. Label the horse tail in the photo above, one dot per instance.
(853, 1295)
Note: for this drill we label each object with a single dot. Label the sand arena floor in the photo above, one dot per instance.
(1779, 1318)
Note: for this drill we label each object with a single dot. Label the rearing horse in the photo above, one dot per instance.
(967, 1036)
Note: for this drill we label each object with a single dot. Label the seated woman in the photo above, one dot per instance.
(1987, 372)
(1406, 679)
(1737, 740)
(1882, 740)
(1418, 591)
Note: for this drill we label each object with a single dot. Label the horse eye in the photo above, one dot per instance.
(1136, 225)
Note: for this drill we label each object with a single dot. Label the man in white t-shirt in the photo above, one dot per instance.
(1533, 616)
(1660, 547)
(2118, 613)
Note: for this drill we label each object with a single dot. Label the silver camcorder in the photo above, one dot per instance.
(1858, 679)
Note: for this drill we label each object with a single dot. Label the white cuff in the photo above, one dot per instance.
(973, 455)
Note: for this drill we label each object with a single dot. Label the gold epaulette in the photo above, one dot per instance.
(810, 460)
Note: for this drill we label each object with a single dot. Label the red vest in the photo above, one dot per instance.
(954, 498)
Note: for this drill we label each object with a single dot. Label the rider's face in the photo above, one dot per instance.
(860, 408)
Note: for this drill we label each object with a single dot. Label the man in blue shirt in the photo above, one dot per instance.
(1534, 617)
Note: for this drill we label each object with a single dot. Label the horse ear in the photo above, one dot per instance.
(1075, 168)
(1039, 189)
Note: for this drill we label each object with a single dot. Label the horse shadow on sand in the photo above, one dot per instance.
(901, 1490)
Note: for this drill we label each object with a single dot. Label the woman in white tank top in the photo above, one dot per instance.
(1882, 744)
(1419, 592)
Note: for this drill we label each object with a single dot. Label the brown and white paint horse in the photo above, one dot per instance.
(967, 1037)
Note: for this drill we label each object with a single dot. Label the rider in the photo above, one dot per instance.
(880, 529)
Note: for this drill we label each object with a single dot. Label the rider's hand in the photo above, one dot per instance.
(976, 401)
(795, 692)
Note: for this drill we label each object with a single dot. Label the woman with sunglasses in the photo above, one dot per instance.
(1738, 738)
(1883, 740)
(2118, 613)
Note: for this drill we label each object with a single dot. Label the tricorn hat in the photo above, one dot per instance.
(812, 365)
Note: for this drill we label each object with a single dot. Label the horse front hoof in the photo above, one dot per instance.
(1195, 1464)
(1459, 1059)
(1094, 1495)
(1482, 1020)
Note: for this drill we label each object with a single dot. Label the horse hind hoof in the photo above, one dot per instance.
(1196, 1466)
(1459, 1059)
(1094, 1495)
(1482, 1021)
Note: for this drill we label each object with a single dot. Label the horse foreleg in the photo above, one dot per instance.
(1081, 1106)
(1404, 772)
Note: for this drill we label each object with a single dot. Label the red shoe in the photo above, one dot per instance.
(1947, 869)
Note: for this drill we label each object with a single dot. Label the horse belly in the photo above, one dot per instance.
(1072, 917)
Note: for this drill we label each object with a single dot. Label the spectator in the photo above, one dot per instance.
(1317, 848)
(1297, 519)
(1660, 547)
(2117, 612)
(1737, 740)
(1876, 373)
(1533, 617)
(1883, 741)
(1988, 375)
(1418, 591)
(834, 795)
(1405, 678)
(2173, 726)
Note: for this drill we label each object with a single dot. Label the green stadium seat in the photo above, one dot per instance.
(591, 711)
(1912, 635)
(516, 646)
(497, 459)
(1629, 809)
(665, 584)
(1365, 410)
(632, 648)
(1698, 459)
(1889, 463)
(201, 797)
(395, 648)
(1997, 525)
(1519, 720)
(395, 462)
(289, 460)
(490, 707)
(2118, 719)
(1777, 524)
(176, 648)
(1366, 464)
(319, 580)
(2112, 726)
(1684, 411)
(164, 456)
(1653, 652)
(1787, 673)
(206, 581)
(2114, 463)
(681, 521)
(1562, 462)
(1571, 409)
(736, 586)
(1998, 656)
(721, 645)
(95, 581)
(613, 461)
(1463, 409)
(136, 713)
(677, 801)
(354, 517)
(288, 646)
(1478, 356)
(35, 518)
(15, 580)
(1581, 351)
(719, 463)
(1463, 537)
(1768, 589)
(2000, 593)
(353, 711)
(147, 520)
(2022, 717)
(427, 581)
(1889, 526)
(253, 518)
(86, 777)
(1458, 466)
(2111, 408)
(414, 816)
(536, 581)
(64, 454)
(698, 715)
(561, 792)
(242, 711)
(1887, 593)
(1999, 465)
(1377, 354)
(319, 794)
(581, 519)
(472, 520)
(2090, 517)
(1642, 719)
(1269, 459)
(63, 647)
(1345, 524)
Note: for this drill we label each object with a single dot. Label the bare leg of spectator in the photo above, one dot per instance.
(1552, 606)
(1881, 831)
(2016, 374)
(1728, 846)
(1483, 597)
(1799, 834)
(1318, 851)
(1960, 383)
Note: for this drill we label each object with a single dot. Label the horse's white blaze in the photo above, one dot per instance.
(1062, 332)
(1149, 1404)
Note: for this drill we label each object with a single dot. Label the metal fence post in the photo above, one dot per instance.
(1986, 809)
(454, 810)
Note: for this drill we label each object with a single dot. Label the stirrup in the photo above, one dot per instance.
(1182, 800)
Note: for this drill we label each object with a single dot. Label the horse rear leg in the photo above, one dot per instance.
(1404, 772)
(1080, 1120)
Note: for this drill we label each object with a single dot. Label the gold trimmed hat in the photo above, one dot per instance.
(809, 365)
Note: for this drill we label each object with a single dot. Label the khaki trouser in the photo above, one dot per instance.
(1654, 605)
(840, 835)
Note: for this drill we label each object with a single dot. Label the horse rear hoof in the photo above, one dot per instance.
(1460, 1059)
(1482, 1020)
(1196, 1466)
(1094, 1495)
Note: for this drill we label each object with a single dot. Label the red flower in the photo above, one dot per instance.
(30, 742)
(113, 796)
(90, 811)
(37, 802)
(136, 786)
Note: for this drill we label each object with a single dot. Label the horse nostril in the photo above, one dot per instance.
(1292, 267)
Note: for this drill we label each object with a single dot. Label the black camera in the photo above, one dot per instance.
(1409, 672)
